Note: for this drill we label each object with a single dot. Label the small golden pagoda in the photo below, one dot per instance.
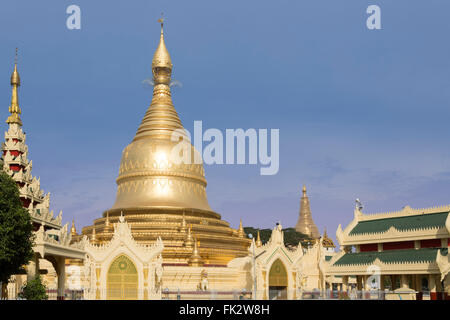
(327, 242)
(305, 223)
(159, 197)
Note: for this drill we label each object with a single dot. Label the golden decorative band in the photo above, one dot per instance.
(162, 174)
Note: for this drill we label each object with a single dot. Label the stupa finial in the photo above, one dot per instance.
(258, 240)
(14, 108)
(161, 58)
(241, 230)
(195, 259)
(161, 20)
(73, 230)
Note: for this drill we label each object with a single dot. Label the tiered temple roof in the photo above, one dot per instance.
(393, 256)
(409, 241)
(15, 163)
(51, 236)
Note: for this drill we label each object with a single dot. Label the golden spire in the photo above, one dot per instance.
(161, 58)
(108, 226)
(161, 119)
(305, 223)
(196, 259)
(14, 108)
(94, 236)
(258, 240)
(240, 230)
(73, 230)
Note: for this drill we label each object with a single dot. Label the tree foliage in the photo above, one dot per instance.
(34, 290)
(291, 236)
(16, 234)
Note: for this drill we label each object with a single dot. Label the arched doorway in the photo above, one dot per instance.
(278, 281)
(122, 280)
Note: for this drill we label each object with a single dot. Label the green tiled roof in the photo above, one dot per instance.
(421, 221)
(391, 256)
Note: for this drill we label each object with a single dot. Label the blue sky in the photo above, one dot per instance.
(362, 113)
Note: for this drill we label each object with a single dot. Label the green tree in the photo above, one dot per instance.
(291, 236)
(34, 290)
(16, 234)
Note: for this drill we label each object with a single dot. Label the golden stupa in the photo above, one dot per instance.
(160, 198)
(305, 223)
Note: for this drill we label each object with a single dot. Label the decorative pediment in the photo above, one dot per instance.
(123, 237)
(391, 231)
(378, 262)
(275, 248)
(15, 132)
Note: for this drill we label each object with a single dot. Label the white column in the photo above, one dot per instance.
(344, 283)
(61, 273)
(359, 283)
(366, 283)
(404, 281)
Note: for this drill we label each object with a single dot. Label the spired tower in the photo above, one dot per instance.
(305, 223)
(160, 197)
(14, 161)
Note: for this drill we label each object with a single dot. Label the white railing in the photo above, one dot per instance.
(165, 294)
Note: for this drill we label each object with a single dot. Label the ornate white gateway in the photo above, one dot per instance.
(122, 268)
(282, 273)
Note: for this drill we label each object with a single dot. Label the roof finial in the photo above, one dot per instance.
(195, 259)
(14, 108)
(161, 58)
(73, 230)
(241, 230)
(258, 240)
(108, 226)
(161, 20)
(94, 236)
